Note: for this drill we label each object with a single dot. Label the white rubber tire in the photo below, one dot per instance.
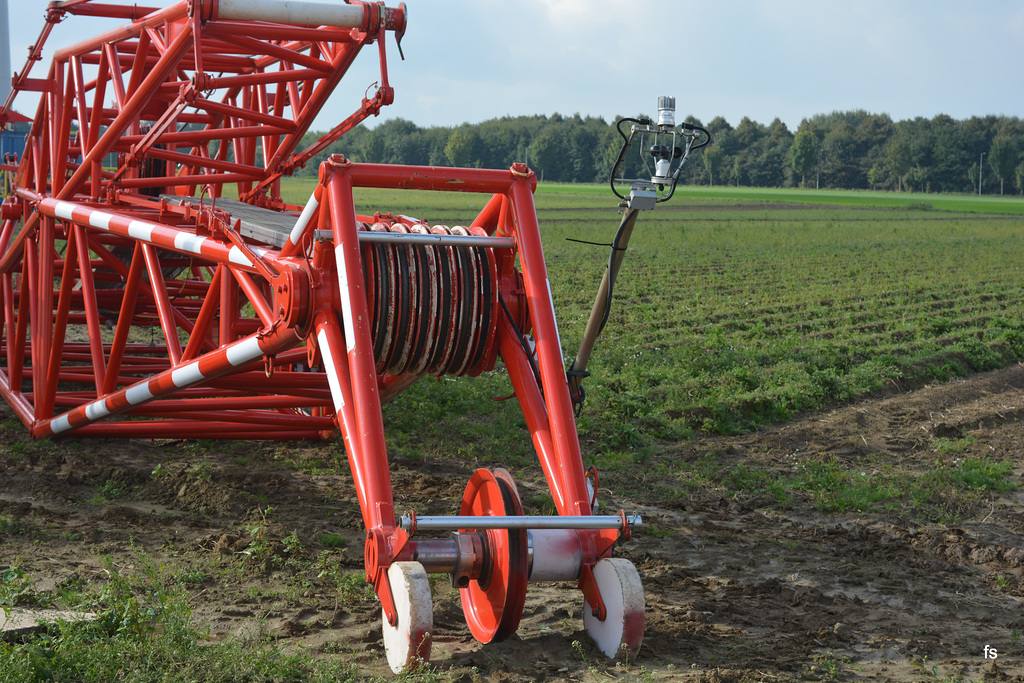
(622, 631)
(407, 644)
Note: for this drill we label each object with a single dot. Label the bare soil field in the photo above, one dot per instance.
(738, 587)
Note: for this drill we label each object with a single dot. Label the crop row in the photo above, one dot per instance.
(728, 315)
(723, 324)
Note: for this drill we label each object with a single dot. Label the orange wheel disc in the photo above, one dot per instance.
(493, 604)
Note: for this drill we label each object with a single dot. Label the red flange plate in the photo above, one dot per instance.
(493, 604)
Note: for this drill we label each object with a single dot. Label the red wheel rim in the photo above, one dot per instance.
(493, 604)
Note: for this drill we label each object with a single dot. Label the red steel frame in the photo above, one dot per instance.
(246, 340)
(176, 128)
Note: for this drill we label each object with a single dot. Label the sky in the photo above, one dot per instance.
(473, 60)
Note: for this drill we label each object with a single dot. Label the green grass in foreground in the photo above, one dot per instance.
(144, 633)
(731, 312)
(942, 492)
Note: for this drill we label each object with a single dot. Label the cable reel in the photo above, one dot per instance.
(433, 308)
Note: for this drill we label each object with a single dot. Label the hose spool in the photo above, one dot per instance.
(433, 308)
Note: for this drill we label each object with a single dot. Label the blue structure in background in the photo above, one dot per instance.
(12, 142)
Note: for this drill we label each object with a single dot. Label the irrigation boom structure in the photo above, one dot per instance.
(139, 301)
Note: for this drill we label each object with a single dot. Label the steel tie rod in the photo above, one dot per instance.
(413, 523)
(374, 237)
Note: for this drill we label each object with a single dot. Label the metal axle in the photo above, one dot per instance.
(552, 555)
(373, 237)
(412, 524)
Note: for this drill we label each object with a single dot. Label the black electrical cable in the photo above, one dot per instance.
(707, 135)
(689, 148)
(522, 341)
(628, 219)
(593, 244)
(625, 148)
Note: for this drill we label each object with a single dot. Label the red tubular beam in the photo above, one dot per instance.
(258, 47)
(431, 178)
(185, 398)
(92, 313)
(45, 401)
(173, 429)
(312, 384)
(287, 76)
(489, 215)
(18, 352)
(9, 335)
(58, 125)
(96, 9)
(254, 296)
(198, 161)
(197, 136)
(22, 408)
(299, 160)
(200, 332)
(372, 451)
(177, 11)
(222, 27)
(99, 94)
(163, 304)
(313, 387)
(531, 400)
(314, 102)
(261, 405)
(42, 320)
(331, 343)
(80, 90)
(572, 480)
(181, 180)
(263, 418)
(244, 114)
(114, 64)
(223, 63)
(393, 385)
(141, 93)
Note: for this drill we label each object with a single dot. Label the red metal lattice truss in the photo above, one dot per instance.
(190, 102)
(139, 300)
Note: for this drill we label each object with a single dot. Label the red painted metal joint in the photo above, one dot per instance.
(588, 585)
(293, 299)
(204, 9)
(380, 550)
(11, 209)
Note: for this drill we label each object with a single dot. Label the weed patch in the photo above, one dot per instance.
(145, 633)
(943, 493)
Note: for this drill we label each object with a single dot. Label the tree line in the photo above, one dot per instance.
(841, 150)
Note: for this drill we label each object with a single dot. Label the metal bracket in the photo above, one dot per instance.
(588, 585)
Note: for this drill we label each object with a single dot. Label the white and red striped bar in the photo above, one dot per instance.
(210, 366)
(292, 246)
(156, 234)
